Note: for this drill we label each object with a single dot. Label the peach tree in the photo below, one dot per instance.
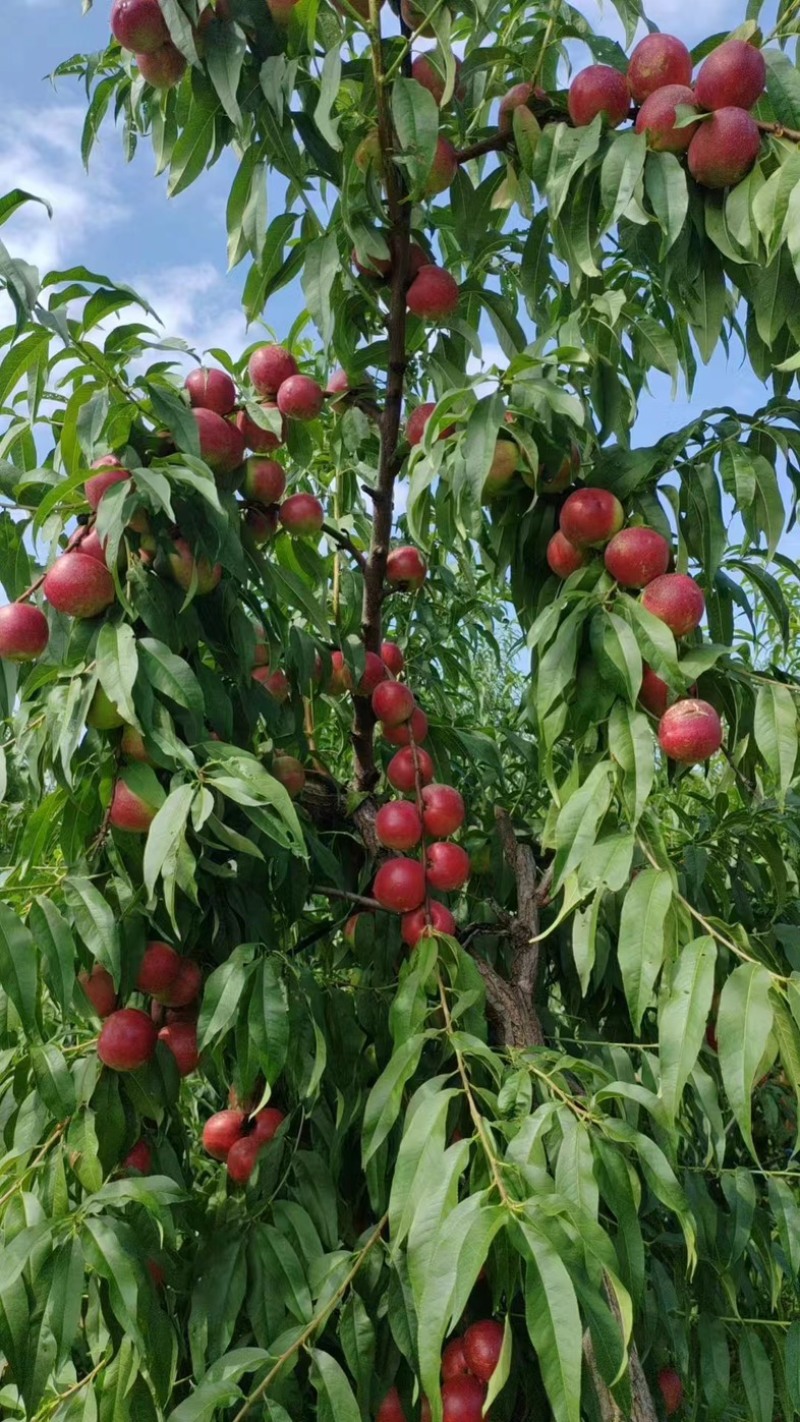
(399, 940)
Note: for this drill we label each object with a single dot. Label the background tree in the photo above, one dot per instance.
(357, 1117)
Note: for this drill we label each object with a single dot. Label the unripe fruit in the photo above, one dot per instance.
(351, 927)
(406, 567)
(374, 266)
(428, 70)
(302, 515)
(400, 885)
(221, 1131)
(159, 968)
(266, 1124)
(550, 482)
(269, 366)
(156, 1273)
(138, 25)
(127, 1040)
(96, 486)
(139, 1157)
(658, 119)
(517, 98)
(183, 566)
(261, 653)
(653, 692)
(392, 657)
(724, 148)
(443, 169)
(443, 810)
(676, 599)
(398, 825)
(79, 586)
(483, 1344)
(447, 866)
(275, 683)
(733, 76)
(401, 773)
(671, 1389)
(402, 735)
(221, 443)
(91, 547)
(24, 632)
(181, 1038)
(415, 16)
(463, 1398)
(599, 90)
(242, 1157)
(690, 732)
(264, 480)
(563, 558)
(103, 714)
(184, 987)
(211, 390)
(300, 398)
(373, 674)
(255, 437)
(433, 294)
(98, 985)
(590, 517)
(393, 702)
(164, 68)
(502, 468)
(415, 926)
(454, 1361)
(129, 811)
(288, 770)
(340, 679)
(635, 556)
(658, 61)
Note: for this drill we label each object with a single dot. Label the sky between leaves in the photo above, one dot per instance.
(117, 220)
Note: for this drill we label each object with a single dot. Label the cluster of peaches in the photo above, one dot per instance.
(710, 122)
(690, 731)
(468, 1363)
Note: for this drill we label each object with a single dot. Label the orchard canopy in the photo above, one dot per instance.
(399, 924)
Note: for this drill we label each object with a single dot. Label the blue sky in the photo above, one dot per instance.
(116, 219)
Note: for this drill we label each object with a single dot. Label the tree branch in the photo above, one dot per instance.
(346, 543)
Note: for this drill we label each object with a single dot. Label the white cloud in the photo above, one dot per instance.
(197, 304)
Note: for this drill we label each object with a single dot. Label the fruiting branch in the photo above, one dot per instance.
(346, 543)
(331, 893)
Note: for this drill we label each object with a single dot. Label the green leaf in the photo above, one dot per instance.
(117, 667)
(744, 1024)
(616, 654)
(95, 922)
(320, 269)
(56, 945)
(631, 744)
(222, 994)
(224, 54)
(620, 174)
(170, 674)
(759, 1384)
(268, 1018)
(166, 836)
(642, 938)
(416, 121)
(667, 189)
(579, 821)
(682, 1018)
(18, 975)
(775, 729)
(53, 1081)
(384, 1100)
(335, 1398)
(554, 1323)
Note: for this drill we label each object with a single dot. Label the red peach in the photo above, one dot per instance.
(401, 771)
(675, 599)
(269, 366)
(300, 398)
(127, 1040)
(24, 632)
(138, 25)
(79, 586)
(211, 390)
(563, 558)
(599, 90)
(414, 926)
(398, 825)
(657, 62)
(400, 885)
(635, 556)
(690, 732)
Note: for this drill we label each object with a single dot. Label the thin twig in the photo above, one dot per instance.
(344, 542)
(331, 893)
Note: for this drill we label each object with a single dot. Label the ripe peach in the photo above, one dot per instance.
(221, 443)
(599, 90)
(671, 1389)
(260, 440)
(635, 556)
(401, 771)
(563, 558)
(502, 469)
(269, 366)
(463, 1398)
(267, 1124)
(259, 526)
(138, 25)
(221, 1131)
(159, 968)
(242, 1158)
(690, 732)
(275, 683)
(95, 487)
(164, 68)
(443, 810)
(184, 566)
(211, 390)
(414, 926)
(400, 885)
(443, 169)
(302, 515)
(185, 986)
(392, 657)
(676, 599)
(139, 1158)
(127, 1040)
(129, 811)
(98, 985)
(406, 568)
(393, 702)
(447, 866)
(724, 148)
(264, 480)
(281, 10)
(24, 632)
(433, 293)
(338, 383)
(429, 71)
(454, 1361)
(79, 586)
(517, 98)
(653, 692)
(590, 517)
(288, 770)
(658, 62)
(300, 398)
(181, 1038)
(398, 825)
(416, 728)
(483, 1344)
(733, 76)
(657, 118)
(418, 420)
(373, 674)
